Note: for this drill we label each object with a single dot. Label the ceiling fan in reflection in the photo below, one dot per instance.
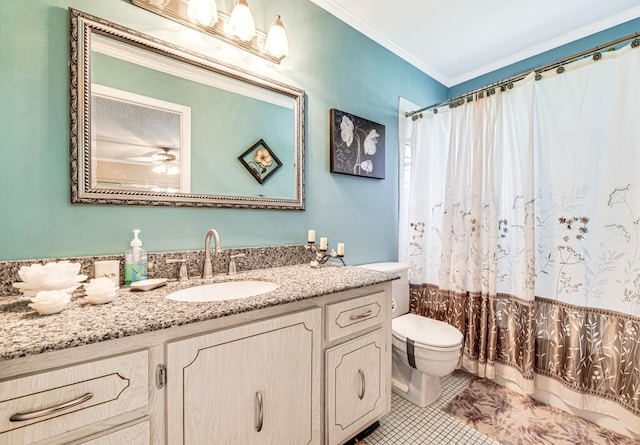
(162, 163)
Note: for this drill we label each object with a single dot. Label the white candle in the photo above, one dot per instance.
(340, 249)
(323, 243)
(311, 236)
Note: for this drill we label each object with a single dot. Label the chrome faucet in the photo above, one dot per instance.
(207, 271)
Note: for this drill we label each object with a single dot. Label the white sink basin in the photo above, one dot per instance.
(229, 290)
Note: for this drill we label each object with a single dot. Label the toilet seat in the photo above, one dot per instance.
(426, 333)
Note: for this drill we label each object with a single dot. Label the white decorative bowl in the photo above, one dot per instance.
(101, 290)
(100, 298)
(36, 274)
(62, 275)
(50, 302)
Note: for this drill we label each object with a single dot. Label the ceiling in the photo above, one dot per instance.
(457, 40)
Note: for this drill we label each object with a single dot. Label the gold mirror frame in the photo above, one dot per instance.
(82, 27)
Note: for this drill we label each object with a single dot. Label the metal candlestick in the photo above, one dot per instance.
(321, 255)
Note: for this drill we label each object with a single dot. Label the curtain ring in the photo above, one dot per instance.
(503, 88)
(538, 76)
(510, 85)
(435, 111)
(635, 43)
(560, 70)
(597, 56)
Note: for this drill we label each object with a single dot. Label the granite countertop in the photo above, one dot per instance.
(24, 332)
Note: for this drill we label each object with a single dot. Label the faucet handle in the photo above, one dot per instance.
(183, 274)
(232, 263)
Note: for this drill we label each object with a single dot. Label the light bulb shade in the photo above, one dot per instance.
(241, 21)
(277, 43)
(204, 12)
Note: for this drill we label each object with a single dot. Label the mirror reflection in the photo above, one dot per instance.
(171, 127)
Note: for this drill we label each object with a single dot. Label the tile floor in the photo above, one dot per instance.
(411, 425)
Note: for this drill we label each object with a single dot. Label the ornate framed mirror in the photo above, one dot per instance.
(156, 124)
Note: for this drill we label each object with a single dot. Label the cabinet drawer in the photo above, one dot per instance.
(351, 316)
(43, 405)
(138, 434)
(357, 382)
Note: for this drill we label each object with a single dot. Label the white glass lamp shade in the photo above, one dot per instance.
(241, 21)
(204, 12)
(277, 44)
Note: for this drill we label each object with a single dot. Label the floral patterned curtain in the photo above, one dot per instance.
(525, 231)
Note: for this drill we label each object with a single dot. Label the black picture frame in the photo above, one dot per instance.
(262, 165)
(357, 145)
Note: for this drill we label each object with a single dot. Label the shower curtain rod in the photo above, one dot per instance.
(508, 83)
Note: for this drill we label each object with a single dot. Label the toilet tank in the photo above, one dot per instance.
(399, 288)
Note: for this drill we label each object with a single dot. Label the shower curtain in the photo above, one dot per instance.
(524, 231)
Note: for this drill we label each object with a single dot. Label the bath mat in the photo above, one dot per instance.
(515, 419)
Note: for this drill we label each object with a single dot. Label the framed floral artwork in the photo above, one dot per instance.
(261, 161)
(356, 145)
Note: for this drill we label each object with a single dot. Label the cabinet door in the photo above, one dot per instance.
(253, 384)
(357, 385)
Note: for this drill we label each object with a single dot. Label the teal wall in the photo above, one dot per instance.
(547, 57)
(336, 66)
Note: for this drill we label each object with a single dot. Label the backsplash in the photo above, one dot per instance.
(255, 258)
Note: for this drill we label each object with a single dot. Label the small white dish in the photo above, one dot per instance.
(50, 302)
(47, 310)
(101, 298)
(31, 288)
(37, 274)
(148, 284)
(100, 290)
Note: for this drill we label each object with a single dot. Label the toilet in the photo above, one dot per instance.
(424, 349)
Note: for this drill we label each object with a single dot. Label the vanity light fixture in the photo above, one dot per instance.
(237, 29)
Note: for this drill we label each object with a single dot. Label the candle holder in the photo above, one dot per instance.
(321, 255)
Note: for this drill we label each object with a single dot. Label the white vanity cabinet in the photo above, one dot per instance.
(257, 383)
(358, 366)
(315, 371)
(45, 406)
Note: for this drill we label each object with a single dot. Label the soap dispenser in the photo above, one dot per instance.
(135, 267)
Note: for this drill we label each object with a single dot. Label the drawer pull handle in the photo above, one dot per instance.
(258, 411)
(363, 385)
(361, 316)
(18, 417)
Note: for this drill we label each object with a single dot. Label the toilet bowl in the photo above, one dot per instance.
(423, 349)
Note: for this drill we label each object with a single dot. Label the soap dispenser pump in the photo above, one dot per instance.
(135, 267)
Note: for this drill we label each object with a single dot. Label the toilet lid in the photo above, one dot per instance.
(426, 331)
